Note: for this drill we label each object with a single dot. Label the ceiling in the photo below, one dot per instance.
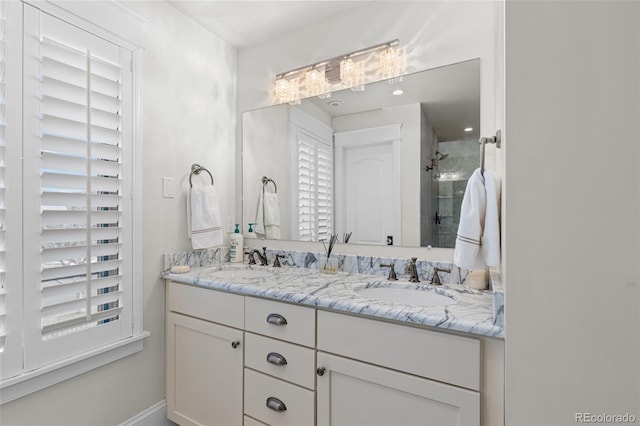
(247, 23)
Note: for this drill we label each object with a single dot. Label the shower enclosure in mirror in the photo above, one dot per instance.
(388, 165)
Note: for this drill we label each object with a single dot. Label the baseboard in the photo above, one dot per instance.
(156, 415)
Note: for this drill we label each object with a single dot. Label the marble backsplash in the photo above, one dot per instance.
(197, 258)
(346, 263)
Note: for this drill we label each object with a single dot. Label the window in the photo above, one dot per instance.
(315, 187)
(67, 284)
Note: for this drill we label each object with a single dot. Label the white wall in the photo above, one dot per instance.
(189, 116)
(572, 210)
(435, 33)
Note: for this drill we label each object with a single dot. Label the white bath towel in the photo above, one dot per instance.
(478, 239)
(203, 217)
(268, 216)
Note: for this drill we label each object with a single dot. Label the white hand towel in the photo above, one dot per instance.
(203, 218)
(491, 234)
(478, 240)
(268, 216)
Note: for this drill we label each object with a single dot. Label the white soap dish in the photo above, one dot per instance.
(179, 269)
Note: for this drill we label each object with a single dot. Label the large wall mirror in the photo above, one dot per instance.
(387, 165)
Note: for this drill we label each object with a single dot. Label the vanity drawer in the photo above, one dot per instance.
(300, 361)
(299, 402)
(283, 321)
(210, 305)
(248, 421)
(443, 357)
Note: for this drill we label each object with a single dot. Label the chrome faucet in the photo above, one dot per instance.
(412, 270)
(262, 257)
(436, 276)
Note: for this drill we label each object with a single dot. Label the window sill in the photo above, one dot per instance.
(33, 381)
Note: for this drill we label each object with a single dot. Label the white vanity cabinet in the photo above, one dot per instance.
(204, 356)
(234, 360)
(377, 373)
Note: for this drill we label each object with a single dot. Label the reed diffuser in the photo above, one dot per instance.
(326, 263)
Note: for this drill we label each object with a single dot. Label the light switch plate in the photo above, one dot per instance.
(168, 187)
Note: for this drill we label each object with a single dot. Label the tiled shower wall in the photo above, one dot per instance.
(452, 175)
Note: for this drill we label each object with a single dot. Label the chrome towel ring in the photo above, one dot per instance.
(196, 169)
(266, 180)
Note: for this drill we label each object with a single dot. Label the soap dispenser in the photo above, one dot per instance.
(236, 253)
(251, 233)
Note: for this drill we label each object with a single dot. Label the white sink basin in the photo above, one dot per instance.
(242, 272)
(406, 296)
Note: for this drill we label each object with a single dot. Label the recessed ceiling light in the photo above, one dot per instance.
(397, 92)
(468, 129)
(334, 104)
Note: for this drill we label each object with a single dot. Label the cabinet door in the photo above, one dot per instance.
(354, 393)
(204, 372)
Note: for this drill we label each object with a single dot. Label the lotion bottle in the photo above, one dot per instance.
(236, 252)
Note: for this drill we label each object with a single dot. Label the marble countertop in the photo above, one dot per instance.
(471, 311)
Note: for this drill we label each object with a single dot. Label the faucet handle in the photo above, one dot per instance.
(436, 276)
(252, 260)
(276, 263)
(392, 272)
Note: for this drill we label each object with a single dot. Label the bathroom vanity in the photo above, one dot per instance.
(291, 346)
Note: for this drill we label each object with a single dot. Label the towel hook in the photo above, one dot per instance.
(266, 180)
(497, 139)
(196, 169)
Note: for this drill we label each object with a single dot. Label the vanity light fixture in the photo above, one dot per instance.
(352, 71)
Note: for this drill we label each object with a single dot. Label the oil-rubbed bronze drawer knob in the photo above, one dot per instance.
(320, 371)
(235, 344)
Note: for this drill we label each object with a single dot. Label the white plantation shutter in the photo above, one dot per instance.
(306, 191)
(77, 175)
(315, 188)
(10, 191)
(324, 190)
(3, 169)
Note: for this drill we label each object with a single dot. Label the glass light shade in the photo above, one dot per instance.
(287, 91)
(352, 74)
(392, 64)
(317, 84)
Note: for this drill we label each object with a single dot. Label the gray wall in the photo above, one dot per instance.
(572, 210)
